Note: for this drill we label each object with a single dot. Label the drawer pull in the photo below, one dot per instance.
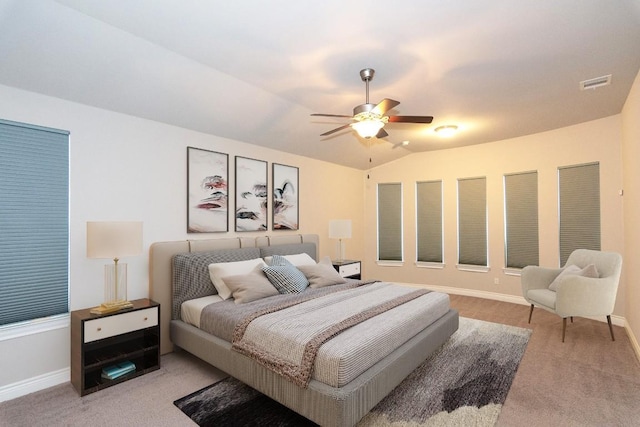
(146, 318)
(99, 329)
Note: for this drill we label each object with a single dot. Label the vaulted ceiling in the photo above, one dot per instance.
(255, 70)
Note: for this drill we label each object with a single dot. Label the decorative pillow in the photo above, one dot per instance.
(286, 278)
(219, 270)
(322, 274)
(250, 287)
(295, 260)
(589, 271)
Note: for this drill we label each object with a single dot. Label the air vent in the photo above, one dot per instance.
(594, 83)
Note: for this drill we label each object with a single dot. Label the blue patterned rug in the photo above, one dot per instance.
(464, 383)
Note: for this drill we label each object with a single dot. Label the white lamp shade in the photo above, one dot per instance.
(114, 239)
(340, 229)
(368, 128)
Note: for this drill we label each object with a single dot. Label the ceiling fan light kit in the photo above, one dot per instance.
(370, 118)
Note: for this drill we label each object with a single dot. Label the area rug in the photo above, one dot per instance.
(464, 383)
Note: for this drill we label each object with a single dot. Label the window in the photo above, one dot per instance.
(34, 199)
(579, 208)
(472, 221)
(390, 222)
(521, 219)
(429, 221)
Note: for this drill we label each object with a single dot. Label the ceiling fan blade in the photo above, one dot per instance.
(381, 133)
(384, 106)
(335, 130)
(331, 115)
(410, 119)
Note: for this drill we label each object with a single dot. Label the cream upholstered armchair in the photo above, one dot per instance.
(577, 289)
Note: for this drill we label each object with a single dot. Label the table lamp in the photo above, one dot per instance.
(340, 229)
(114, 239)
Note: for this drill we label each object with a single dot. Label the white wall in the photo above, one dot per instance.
(598, 140)
(127, 168)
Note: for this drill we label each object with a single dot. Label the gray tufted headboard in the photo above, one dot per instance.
(200, 253)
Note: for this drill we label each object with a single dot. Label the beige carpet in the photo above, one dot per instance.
(587, 381)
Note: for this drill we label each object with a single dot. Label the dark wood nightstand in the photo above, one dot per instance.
(349, 269)
(97, 342)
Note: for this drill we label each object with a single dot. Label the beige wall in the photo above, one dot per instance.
(630, 163)
(598, 140)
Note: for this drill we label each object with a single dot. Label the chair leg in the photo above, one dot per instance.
(530, 313)
(610, 328)
(564, 327)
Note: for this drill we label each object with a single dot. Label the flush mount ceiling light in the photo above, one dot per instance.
(446, 131)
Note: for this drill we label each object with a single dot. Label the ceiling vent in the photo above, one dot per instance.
(594, 83)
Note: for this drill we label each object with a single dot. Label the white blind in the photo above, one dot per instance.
(429, 221)
(34, 188)
(521, 219)
(579, 200)
(390, 222)
(472, 221)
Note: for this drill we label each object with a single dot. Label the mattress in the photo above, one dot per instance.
(351, 352)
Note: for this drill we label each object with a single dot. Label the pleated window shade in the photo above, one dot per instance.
(472, 221)
(521, 219)
(579, 200)
(34, 225)
(429, 221)
(390, 222)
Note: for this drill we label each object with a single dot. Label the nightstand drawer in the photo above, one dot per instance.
(352, 269)
(110, 326)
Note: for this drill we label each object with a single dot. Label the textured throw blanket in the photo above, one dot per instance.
(285, 338)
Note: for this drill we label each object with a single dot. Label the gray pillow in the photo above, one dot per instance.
(589, 271)
(250, 287)
(286, 278)
(322, 274)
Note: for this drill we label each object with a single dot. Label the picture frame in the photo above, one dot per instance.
(251, 194)
(285, 205)
(207, 191)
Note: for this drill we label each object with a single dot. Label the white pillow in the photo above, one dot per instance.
(589, 271)
(296, 260)
(219, 270)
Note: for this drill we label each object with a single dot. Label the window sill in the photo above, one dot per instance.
(473, 268)
(510, 271)
(390, 263)
(36, 326)
(433, 265)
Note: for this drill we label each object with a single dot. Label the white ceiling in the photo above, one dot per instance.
(254, 70)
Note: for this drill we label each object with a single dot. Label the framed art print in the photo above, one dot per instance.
(207, 191)
(251, 194)
(285, 197)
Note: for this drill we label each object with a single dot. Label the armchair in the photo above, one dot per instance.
(575, 294)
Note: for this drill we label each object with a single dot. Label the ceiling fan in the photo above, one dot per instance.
(369, 119)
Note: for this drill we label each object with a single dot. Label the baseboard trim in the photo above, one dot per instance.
(31, 385)
(633, 340)
(515, 299)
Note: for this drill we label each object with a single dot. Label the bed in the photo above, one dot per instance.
(339, 386)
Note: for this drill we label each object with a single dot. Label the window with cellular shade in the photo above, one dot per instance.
(472, 221)
(390, 222)
(34, 244)
(521, 219)
(579, 206)
(429, 221)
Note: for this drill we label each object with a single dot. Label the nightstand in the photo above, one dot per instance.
(349, 269)
(99, 342)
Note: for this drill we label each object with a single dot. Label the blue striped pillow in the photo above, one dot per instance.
(286, 278)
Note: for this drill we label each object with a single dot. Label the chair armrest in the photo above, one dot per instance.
(585, 296)
(535, 277)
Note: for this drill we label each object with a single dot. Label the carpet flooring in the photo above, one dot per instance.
(464, 383)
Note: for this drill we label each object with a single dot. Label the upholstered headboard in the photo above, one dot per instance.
(161, 258)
